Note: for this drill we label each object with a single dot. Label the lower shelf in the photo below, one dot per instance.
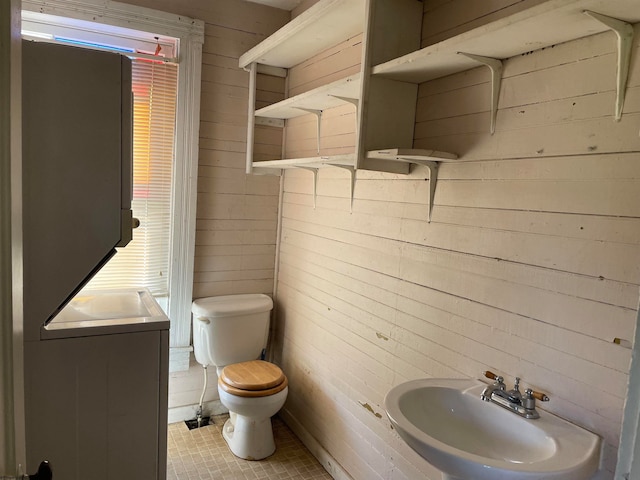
(346, 160)
(429, 158)
(412, 155)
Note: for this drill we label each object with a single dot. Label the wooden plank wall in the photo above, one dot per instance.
(530, 267)
(237, 213)
(338, 125)
(236, 219)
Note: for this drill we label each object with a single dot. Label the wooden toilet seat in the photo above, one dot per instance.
(255, 378)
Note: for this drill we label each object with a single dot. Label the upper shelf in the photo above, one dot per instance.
(550, 23)
(331, 95)
(323, 25)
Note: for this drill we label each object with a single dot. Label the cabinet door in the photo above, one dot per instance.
(96, 406)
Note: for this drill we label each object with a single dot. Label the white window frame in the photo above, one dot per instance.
(190, 33)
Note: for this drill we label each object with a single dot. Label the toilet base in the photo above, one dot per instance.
(249, 438)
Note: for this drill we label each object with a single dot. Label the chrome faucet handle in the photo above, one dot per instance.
(538, 395)
(530, 396)
(499, 381)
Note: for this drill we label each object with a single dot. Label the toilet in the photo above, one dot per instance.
(231, 332)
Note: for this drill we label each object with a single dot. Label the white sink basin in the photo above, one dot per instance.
(447, 423)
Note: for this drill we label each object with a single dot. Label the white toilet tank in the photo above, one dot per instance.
(231, 328)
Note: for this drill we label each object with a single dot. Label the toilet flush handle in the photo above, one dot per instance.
(204, 320)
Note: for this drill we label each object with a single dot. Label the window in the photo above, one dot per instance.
(145, 261)
(180, 38)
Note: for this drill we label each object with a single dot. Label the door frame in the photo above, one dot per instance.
(12, 438)
(629, 447)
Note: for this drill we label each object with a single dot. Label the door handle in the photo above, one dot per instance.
(44, 473)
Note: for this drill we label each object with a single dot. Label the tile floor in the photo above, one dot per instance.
(202, 454)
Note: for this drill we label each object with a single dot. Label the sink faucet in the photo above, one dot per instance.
(513, 400)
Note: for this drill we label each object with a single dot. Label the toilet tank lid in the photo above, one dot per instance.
(231, 305)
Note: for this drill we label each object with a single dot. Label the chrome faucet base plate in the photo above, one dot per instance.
(527, 413)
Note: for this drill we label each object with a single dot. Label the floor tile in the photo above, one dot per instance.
(202, 454)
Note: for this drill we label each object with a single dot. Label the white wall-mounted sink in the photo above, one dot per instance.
(446, 422)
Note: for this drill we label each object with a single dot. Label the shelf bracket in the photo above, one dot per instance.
(353, 101)
(352, 171)
(495, 66)
(315, 182)
(318, 114)
(624, 32)
(433, 180)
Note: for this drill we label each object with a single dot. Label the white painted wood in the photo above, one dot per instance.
(314, 171)
(251, 105)
(179, 358)
(412, 155)
(382, 96)
(550, 23)
(428, 158)
(322, 98)
(185, 186)
(628, 466)
(134, 17)
(272, 71)
(624, 32)
(387, 119)
(234, 245)
(318, 115)
(283, 4)
(185, 389)
(352, 184)
(350, 298)
(312, 162)
(321, 26)
(334, 63)
(387, 111)
(326, 460)
(496, 79)
(507, 275)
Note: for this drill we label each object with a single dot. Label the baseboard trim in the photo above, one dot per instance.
(179, 359)
(323, 456)
(188, 412)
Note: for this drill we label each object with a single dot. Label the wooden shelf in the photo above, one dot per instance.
(346, 160)
(385, 92)
(429, 158)
(323, 25)
(550, 23)
(322, 98)
(411, 155)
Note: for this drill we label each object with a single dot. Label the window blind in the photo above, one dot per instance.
(145, 261)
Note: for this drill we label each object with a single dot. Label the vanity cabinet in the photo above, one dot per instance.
(97, 404)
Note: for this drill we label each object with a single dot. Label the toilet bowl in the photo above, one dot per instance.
(253, 392)
(230, 333)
